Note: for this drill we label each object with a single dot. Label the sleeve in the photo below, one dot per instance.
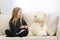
(24, 23)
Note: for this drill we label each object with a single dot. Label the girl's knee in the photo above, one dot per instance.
(7, 30)
(26, 31)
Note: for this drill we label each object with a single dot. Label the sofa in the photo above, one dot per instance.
(4, 24)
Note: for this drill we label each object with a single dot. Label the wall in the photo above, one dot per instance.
(6, 6)
(50, 6)
(31, 6)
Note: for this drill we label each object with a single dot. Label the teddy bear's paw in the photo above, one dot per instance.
(30, 33)
(41, 34)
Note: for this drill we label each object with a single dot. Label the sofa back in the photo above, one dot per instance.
(4, 23)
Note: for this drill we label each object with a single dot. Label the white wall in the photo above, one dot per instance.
(50, 6)
(6, 6)
(31, 6)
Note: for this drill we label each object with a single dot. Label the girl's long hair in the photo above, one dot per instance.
(15, 15)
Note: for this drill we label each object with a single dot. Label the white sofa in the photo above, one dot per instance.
(4, 24)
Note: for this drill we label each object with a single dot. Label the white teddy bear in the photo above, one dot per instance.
(38, 27)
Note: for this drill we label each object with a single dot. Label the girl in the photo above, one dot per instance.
(18, 26)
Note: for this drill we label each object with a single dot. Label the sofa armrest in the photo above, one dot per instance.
(58, 34)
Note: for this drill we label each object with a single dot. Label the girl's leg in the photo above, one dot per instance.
(24, 33)
(10, 33)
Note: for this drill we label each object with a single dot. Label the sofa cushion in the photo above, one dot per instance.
(4, 23)
(53, 25)
(0, 33)
(28, 17)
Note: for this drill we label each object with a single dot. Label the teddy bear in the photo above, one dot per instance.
(38, 27)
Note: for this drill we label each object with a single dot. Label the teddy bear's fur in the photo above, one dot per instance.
(38, 27)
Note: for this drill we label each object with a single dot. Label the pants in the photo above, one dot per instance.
(10, 33)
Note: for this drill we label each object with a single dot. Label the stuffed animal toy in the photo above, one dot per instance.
(38, 27)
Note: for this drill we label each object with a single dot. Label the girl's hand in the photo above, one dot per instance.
(24, 26)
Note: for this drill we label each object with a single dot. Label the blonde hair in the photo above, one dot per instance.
(15, 15)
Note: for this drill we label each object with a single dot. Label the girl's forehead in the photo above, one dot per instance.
(20, 10)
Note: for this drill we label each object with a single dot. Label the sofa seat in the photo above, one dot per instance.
(40, 38)
(3, 37)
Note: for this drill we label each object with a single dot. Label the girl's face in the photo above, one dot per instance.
(20, 14)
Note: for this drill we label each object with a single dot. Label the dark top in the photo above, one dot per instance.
(16, 28)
